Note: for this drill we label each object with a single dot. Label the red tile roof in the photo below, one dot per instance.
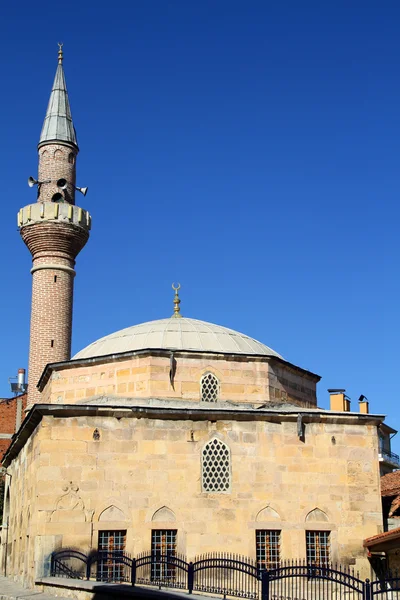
(382, 537)
(390, 484)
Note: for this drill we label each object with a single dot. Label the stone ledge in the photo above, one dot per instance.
(53, 211)
(87, 590)
(11, 590)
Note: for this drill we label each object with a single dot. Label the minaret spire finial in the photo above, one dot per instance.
(177, 301)
(58, 125)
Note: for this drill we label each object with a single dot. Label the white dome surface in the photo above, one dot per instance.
(176, 334)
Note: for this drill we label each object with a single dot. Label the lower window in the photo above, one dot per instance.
(163, 544)
(112, 545)
(318, 548)
(268, 546)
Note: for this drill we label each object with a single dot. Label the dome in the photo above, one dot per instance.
(176, 334)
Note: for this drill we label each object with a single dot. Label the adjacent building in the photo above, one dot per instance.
(384, 549)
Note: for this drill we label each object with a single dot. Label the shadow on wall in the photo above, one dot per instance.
(294, 388)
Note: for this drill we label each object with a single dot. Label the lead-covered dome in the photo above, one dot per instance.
(176, 334)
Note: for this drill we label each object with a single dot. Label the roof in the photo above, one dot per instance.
(176, 334)
(383, 541)
(390, 484)
(58, 125)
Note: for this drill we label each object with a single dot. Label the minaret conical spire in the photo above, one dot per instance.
(58, 125)
(55, 230)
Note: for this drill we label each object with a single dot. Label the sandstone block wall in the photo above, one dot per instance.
(17, 548)
(146, 376)
(144, 474)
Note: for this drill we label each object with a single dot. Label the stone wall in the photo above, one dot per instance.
(394, 561)
(142, 376)
(139, 474)
(19, 515)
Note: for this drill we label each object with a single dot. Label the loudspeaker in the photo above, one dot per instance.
(32, 181)
(62, 184)
(82, 190)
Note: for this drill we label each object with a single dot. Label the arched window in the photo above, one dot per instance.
(209, 388)
(71, 158)
(216, 467)
(317, 515)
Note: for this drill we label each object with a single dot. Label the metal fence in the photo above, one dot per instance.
(226, 574)
(163, 570)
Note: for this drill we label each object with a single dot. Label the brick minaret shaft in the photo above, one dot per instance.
(55, 230)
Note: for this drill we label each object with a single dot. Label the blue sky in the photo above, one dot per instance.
(248, 150)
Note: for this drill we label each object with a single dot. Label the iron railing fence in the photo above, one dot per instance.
(69, 563)
(164, 570)
(387, 587)
(226, 574)
(297, 579)
(111, 567)
(390, 456)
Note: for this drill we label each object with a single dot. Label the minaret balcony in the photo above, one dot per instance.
(53, 211)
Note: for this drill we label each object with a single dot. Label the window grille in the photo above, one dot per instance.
(318, 548)
(112, 542)
(268, 547)
(163, 542)
(209, 388)
(216, 467)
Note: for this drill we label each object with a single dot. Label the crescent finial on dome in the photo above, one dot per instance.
(177, 301)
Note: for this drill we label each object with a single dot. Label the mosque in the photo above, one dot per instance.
(175, 434)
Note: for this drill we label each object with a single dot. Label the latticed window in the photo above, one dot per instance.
(111, 543)
(318, 548)
(163, 542)
(268, 547)
(209, 388)
(216, 467)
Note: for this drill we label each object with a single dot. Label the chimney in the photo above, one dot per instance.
(21, 390)
(21, 380)
(339, 400)
(363, 404)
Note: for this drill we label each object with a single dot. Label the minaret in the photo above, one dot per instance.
(55, 230)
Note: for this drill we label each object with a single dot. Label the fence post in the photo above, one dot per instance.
(367, 590)
(88, 566)
(264, 585)
(190, 577)
(52, 565)
(133, 571)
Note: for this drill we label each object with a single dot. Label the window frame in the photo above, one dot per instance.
(318, 551)
(206, 375)
(161, 571)
(204, 488)
(270, 547)
(109, 570)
